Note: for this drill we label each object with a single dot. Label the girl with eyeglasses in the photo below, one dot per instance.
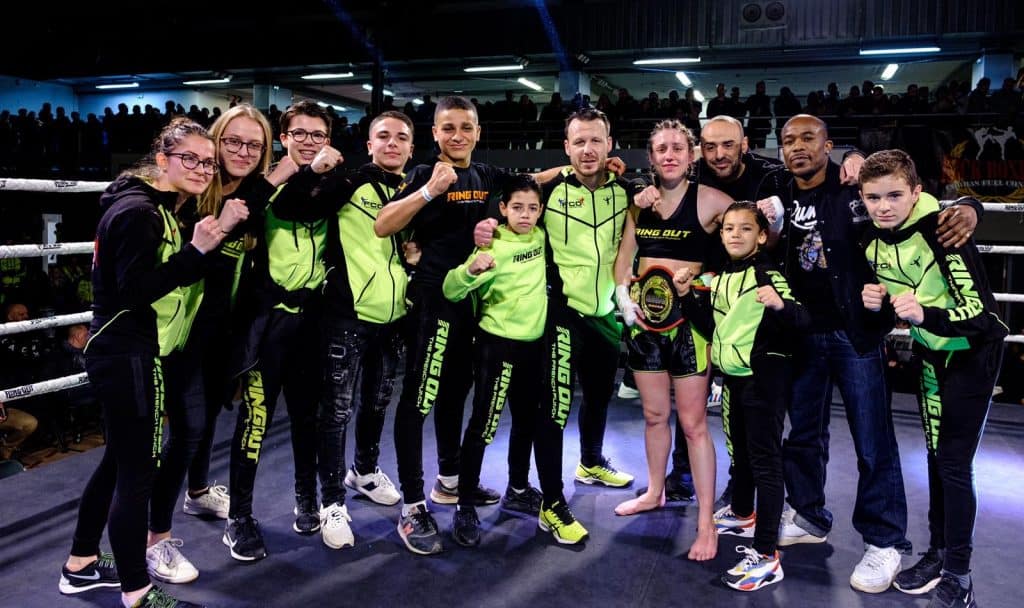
(142, 269)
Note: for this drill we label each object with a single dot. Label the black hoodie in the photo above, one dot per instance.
(127, 276)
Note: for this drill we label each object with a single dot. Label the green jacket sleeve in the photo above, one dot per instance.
(458, 283)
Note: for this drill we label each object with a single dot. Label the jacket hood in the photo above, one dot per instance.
(131, 186)
(926, 205)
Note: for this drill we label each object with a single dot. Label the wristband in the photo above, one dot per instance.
(426, 193)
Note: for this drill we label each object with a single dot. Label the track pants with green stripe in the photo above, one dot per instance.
(955, 395)
(130, 389)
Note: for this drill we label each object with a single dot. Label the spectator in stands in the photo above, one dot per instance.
(1006, 100)
(977, 100)
(736, 108)
(786, 106)
(759, 107)
(20, 353)
(15, 427)
(718, 105)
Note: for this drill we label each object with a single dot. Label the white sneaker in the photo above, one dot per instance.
(628, 392)
(376, 486)
(334, 526)
(214, 503)
(876, 570)
(790, 532)
(166, 563)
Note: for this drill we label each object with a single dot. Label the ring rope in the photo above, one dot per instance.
(38, 251)
(46, 386)
(19, 327)
(51, 185)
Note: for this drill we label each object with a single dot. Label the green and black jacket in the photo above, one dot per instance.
(583, 233)
(950, 284)
(742, 329)
(513, 298)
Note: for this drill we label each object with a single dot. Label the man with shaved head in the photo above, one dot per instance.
(819, 251)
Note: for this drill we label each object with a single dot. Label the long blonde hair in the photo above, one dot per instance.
(211, 200)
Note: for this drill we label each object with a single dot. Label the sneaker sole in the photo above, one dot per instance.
(919, 590)
(443, 499)
(515, 509)
(592, 481)
(806, 539)
(869, 589)
(737, 532)
(408, 546)
(341, 546)
(775, 578)
(309, 532)
(168, 579)
(562, 541)
(361, 492)
(239, 556)
(67, 588)
(190, 510)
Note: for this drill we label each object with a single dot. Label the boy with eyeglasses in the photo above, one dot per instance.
(283, 311)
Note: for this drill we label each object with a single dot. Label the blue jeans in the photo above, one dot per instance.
(825, 360)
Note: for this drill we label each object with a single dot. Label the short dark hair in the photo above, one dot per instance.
(889, 162)
(399, 116)
(586, 115)
(455, 102)
(751, 206)
(521, 182)
(304, 108)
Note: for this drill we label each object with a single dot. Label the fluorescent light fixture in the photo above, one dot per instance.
(667, 61)
(417, 102)
(368, 87)
(210, 81)
(698, 95)
(683, 78)
(494, 68)
(125, 85)
(901, 51)
(324, 104)
(526, 82)
(890, 71)
(327, 76)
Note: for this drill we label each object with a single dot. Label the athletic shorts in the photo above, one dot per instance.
(681, 351)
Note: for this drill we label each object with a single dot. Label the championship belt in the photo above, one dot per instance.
(657, 298)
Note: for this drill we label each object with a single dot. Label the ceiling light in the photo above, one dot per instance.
(667, 61)
(526, 82)
(494, 68)
(124, 85)
(324, 104)
(683, 78)
(901, 51)
(417, 102)
(890, 71)
(698, 95)
(209, 81)
(368, 87)
(327, 76)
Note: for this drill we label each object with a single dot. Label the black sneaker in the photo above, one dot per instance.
(528, 501)
(419, 531)
(443, 495)
(307, 515)
(678, 488)
(949, 594)
(923, 576)
(726, 498)
(100, 573)
(466, 527)
(158, 598)
(243, 538)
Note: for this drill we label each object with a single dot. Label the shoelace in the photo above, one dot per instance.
(751, 557)
(106, 560)
(424, 521)
(874, 559)
(335, 517)
(382, 480)
(168, 551)
(248, 527)
(158, 598)
(219, 491)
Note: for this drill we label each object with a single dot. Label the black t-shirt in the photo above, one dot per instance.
(443, 228)
(809, 264)
(762, 177)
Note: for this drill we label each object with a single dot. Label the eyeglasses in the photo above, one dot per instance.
(191, 161)
(300, 135)
(234, 145)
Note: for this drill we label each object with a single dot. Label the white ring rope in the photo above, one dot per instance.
(19, 327)
(38, 251)
(51, 185)
(46, 386)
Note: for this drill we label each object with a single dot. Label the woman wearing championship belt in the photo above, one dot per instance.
(672, 227)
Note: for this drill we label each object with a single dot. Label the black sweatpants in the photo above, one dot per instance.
(288, 360)
(359, 375)
(955, 396)
(505, 369)
(583, 347)
(130, 389)
(754, 413)
(438, 376)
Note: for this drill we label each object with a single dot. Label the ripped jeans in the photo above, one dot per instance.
(359, 375)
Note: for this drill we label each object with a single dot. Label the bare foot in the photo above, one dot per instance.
(706, 545)
(640, 504)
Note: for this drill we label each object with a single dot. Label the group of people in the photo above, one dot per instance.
(215, 268)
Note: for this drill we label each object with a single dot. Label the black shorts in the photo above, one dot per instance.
(681, 351)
